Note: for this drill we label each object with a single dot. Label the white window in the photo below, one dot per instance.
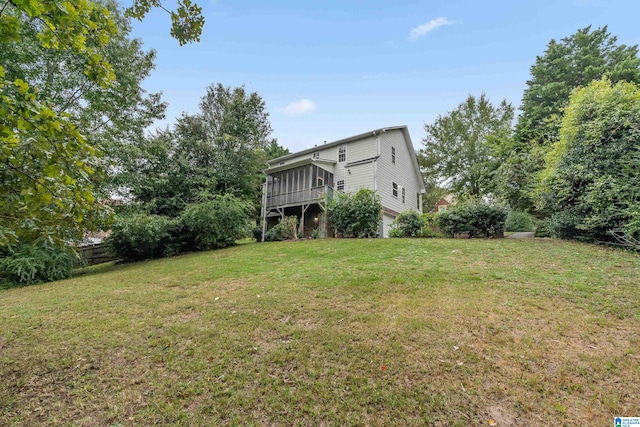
(393, 155)
(340, 185)
(403, 194)
(395, 190)
(320, 182)
(342, 153)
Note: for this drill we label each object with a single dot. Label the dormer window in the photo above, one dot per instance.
(342, 153)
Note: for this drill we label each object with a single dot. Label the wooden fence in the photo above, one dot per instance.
(96, 253)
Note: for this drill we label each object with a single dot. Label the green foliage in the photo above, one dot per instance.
(477, 219)
(315, 233)
(257, 233)
(459, 146)
(284, 230)
(407, 224)
(356, 215)
(143, 236)
(215, 223)
(542, 229)
(111, 117)
(565, 65)
(590, 183)
(274, 234)
(221, 150)
(572, 62)
(47, 168)
(520, 221)
(186, 21)
(26, 264)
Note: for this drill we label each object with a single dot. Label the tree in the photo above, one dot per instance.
(110, 116)
(186, 21)
(459, 146)
(164, 174)
(356, 215)
(47, 166)
(573, 62)
(221, 150)
(234, 127)
(590, 183)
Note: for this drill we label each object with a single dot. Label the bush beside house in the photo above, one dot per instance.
(474, 219)
(357, 214)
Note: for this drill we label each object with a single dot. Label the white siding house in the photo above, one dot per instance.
(382, 160)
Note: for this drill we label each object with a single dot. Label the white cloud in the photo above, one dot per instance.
(299, 107)
(423, 29)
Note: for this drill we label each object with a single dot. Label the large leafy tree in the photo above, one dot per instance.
(235, 125)
(220, 150)
(459, 147)
(590, 183)
(572, 62)
(109, 116)
(565, 65)
(47, 165)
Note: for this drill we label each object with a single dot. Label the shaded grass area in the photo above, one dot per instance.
(331, 332)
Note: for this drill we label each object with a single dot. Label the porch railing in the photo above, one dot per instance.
(307, 195)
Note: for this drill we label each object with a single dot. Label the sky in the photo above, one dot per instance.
(331, 69)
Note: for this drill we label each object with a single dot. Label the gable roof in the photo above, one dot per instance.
(376, 132)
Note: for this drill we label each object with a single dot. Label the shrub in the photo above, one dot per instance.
(257, 233)
(274, 234)
(520, 221)
(284, 230)
(476, 219)
(26, 264)
(430, 225)
(142, 236)
(214, 223)
(356, 215)
(407, 224)
(542, 229)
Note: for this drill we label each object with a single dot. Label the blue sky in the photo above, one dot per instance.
(331, 69)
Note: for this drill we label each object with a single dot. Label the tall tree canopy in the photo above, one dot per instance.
(573, 62)
(458, 148)
(221, 150)
(590, 184)
(56, 60)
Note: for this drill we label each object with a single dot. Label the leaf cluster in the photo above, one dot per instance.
(356, 214)
(472, 218)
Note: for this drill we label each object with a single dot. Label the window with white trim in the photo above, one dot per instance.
(342, 153)
(393, 155)
(340, 185)
(395, 190)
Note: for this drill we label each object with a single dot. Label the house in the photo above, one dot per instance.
(302, 183)
(443, 204)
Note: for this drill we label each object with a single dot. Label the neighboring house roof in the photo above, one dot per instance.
(274, 167)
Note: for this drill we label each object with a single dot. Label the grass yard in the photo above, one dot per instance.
(332, 332)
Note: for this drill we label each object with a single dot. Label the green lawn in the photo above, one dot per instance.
(332, 332)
